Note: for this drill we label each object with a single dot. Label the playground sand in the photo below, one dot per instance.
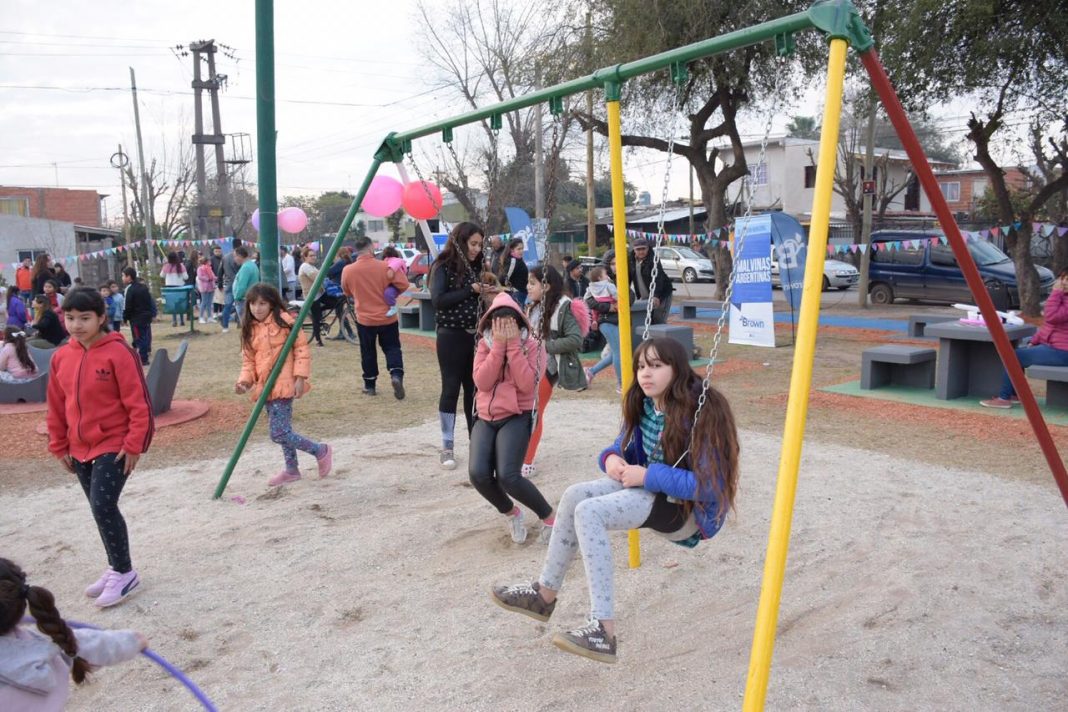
(908, 586)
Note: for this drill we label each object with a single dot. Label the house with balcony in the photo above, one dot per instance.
(786, 179)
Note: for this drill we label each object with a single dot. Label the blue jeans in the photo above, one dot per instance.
(611, 335)
(205, 304)
(1041, 355)
(228, 304)
(239, 311)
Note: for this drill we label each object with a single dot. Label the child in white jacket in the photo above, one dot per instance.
(35, 669)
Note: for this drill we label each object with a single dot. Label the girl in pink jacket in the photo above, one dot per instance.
(1049, 347)
(508, 361)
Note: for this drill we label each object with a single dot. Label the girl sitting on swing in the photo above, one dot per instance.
(656, 477)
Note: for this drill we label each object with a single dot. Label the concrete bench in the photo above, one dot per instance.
(682, 334)
(690, 307)
(409, 316)
(918, 322)
(899, 366)
(33, 391)
(162, 377)
(1056, 378)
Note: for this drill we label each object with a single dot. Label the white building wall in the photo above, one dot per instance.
(786, 160)
(19, 233)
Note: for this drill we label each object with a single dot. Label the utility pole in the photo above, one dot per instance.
(865, 230)
(591, 202)
(146, 203)
(120, 160)
(218, 207)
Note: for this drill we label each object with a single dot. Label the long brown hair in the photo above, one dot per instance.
(16, 596)
(16, 336)
(266, 293)
(40, 265)
(454, 255)
(712, 453)
(552, 289)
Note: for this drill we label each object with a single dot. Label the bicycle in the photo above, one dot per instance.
(342, 316)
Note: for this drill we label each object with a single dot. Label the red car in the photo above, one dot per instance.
(418, 269)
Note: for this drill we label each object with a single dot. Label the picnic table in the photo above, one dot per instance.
(426, 310)
(968, 363)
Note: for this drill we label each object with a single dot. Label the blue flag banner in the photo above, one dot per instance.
(751, 315)
(532, 233)
(791, 250)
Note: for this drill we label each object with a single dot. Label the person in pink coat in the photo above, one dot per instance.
(1049, 347)
(206, 286)
(508, 361)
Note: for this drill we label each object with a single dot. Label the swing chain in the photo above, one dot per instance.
(660, 233)
(739, 244)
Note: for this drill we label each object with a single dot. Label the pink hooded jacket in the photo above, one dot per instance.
(1054, 331)
(506, 374)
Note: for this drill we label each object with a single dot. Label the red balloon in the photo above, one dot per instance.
(422, 200)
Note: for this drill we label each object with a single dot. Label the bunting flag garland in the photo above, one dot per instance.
(719, 238)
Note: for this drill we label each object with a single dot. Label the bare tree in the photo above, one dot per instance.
(170, 178)
(1050, 154)
(489, 51)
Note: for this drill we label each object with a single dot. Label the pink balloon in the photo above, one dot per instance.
(255, 220)
(422, 200)
(383, 196)
(292, 220)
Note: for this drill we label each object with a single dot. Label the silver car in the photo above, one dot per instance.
(685, 264)
(836, 274)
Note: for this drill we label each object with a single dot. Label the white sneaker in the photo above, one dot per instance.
(516, 526)
(545, 534)
(448, 460)
(529, 471)
(201, 321)
(226, 331)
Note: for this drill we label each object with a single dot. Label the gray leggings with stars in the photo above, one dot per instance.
(585, 515)
(102, 481)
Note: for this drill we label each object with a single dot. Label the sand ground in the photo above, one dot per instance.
(909, 586)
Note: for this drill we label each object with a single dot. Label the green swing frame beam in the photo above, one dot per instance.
(835, 18)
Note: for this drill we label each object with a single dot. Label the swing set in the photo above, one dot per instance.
(842, 26)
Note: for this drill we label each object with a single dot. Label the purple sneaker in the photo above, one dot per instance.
(326, 461)
(117, 588)
(283, 478)
(97, 587)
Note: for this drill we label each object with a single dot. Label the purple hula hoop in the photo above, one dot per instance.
(159, 660)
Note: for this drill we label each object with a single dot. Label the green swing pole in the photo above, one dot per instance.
(267, 173)
(295, 331)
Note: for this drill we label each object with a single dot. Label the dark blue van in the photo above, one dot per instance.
(931, 272)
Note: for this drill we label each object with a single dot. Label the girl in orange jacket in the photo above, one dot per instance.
(265, 326)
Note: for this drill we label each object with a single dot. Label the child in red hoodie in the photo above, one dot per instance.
(508, 360)
(99, 424)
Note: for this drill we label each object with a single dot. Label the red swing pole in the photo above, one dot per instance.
(881, 82)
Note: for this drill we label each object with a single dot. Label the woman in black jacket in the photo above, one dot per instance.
(50, 331)
(455, 292)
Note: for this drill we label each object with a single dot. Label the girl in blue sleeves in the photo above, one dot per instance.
(656, 478)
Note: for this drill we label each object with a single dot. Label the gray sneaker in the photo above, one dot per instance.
(448, 460)
(590, 641)
(523, 598)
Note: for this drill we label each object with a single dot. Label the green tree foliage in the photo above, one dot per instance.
(803, 127)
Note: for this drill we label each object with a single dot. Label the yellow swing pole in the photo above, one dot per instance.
(619, 239)
(756, 687)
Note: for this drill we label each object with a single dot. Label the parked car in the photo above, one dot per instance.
(685, 264)
(419, 268)
(931, 273)
(836, 274)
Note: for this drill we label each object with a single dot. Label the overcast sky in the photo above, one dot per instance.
(346, 74)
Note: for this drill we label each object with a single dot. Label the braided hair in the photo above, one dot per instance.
(16, 596)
